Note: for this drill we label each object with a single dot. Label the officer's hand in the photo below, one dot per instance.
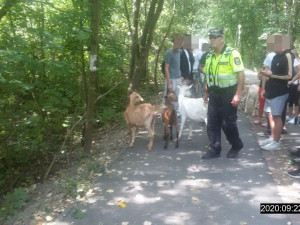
(170, 86)
(205, 97)
(236, 100)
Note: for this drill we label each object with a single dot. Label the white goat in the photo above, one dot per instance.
(142, 115)
(193, 108)
(252, 94)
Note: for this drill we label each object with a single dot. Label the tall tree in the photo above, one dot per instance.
(95, 21)
(141, 44)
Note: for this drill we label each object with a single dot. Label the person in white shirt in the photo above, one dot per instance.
(294, 93)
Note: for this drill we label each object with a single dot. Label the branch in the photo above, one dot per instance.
(127, 17)
(7, 5)
(71, 130)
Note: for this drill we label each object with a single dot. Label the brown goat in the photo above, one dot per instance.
(169, 117)
(142, 115)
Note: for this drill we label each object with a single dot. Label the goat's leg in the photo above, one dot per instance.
(171, 133)
(254, 106)
(246, 103)
(148, 126)
(183, 118)
(166, 134)
(191, 130)
(176, 126)
(133, 133)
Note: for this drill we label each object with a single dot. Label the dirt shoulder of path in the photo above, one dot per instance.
(49, 199)
(279, 163)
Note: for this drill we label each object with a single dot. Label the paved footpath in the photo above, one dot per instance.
(175, 186)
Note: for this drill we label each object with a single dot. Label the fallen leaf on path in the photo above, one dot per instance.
(110, 191)
(121, 204)
(195, 199)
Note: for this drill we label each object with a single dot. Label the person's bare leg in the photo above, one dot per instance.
(277, 123)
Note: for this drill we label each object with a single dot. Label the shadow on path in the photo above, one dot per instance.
(175, 186)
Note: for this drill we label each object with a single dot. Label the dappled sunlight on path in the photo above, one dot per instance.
(176, 186)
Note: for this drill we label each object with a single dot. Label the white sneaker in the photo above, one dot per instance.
(274, 145)
(291, 121)
(266, 141)
(261, 134)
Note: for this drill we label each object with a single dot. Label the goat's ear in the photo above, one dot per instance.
(129, 89)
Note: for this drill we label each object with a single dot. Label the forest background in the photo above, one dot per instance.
(65, 66)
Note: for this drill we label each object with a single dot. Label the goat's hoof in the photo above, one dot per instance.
(189, 139)
(171, 138)
(177, 145)
(165, 147)
(131, 145)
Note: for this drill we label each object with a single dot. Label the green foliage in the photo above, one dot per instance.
(69, 187)
(44, 66)
(78, 214)
(13, 203)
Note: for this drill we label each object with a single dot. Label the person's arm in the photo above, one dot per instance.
(296, 77)
(167, 66)
(288, 76)
(238, 67)
(263, 82)
(240, 84)
(205, 95)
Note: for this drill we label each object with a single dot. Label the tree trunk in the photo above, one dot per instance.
(134, 37)
(160, 47)
(145, 43)
(95, 21)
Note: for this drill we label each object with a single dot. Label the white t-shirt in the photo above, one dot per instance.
(197, 60)
(188, 58)
(269, 58)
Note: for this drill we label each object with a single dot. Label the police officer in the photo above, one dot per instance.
(224, 72)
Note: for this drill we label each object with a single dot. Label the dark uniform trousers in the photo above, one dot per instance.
(221, 114)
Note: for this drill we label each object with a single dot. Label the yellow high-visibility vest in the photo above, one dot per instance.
(222, 70)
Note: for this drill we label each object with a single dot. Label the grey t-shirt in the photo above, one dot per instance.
(173, 58)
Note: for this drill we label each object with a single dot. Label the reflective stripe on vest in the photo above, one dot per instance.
(221, 75)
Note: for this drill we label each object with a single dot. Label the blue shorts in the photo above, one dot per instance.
(276, 105)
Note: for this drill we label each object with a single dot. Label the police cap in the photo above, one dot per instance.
(215, 33)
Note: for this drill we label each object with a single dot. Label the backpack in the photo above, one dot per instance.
(163, 67)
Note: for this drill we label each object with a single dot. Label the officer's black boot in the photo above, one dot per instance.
(211, 154)
(234, 151)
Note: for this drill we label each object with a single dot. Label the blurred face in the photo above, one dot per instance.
(216, 41)
(178, 43)
(278, 43)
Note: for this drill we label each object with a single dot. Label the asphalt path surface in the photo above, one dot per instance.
(176, 186)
